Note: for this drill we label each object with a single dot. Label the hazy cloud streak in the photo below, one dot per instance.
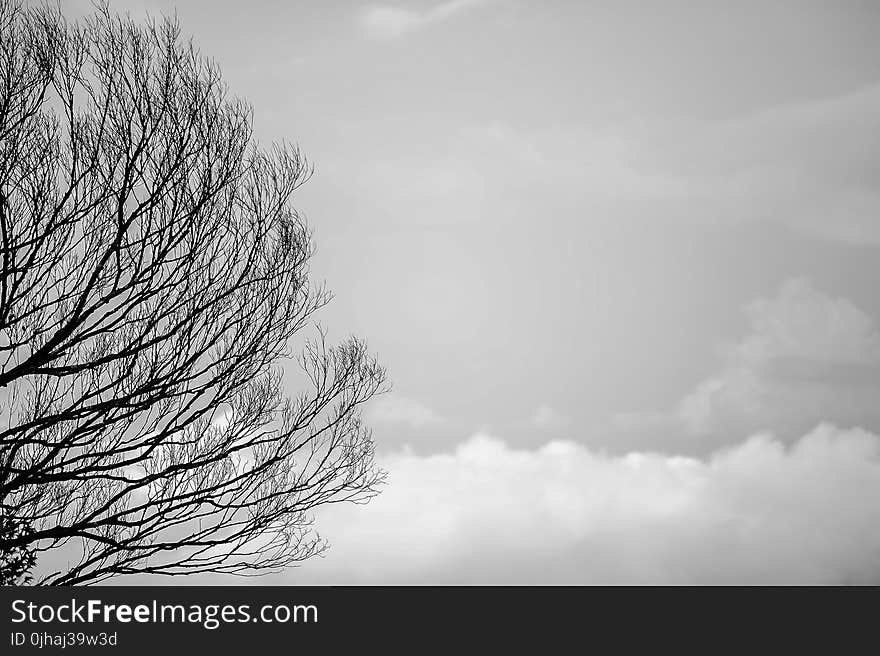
(391, 21)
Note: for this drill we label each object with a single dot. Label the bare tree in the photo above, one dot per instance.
(153, 277)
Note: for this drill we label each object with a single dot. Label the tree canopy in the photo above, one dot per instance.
(154, 276)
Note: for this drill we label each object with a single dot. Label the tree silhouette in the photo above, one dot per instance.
(153, 275)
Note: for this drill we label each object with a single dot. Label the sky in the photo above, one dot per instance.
(620, 260)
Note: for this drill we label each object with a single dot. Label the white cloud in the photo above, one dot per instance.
(392, 408)
(547, 418)
(804, 323)
(755, 513)
(735, 390)
(808, 356)
(391, 22)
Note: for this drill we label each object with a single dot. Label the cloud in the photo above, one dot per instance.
(759, 512)
(393, 409)
(547, 418)
(391, 22)
(494, 171)
(801, 322)
(808, 356)
(811, 165)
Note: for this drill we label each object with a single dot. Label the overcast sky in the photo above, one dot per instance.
(621, 261)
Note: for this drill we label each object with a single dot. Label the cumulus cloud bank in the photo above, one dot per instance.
(759, 512)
